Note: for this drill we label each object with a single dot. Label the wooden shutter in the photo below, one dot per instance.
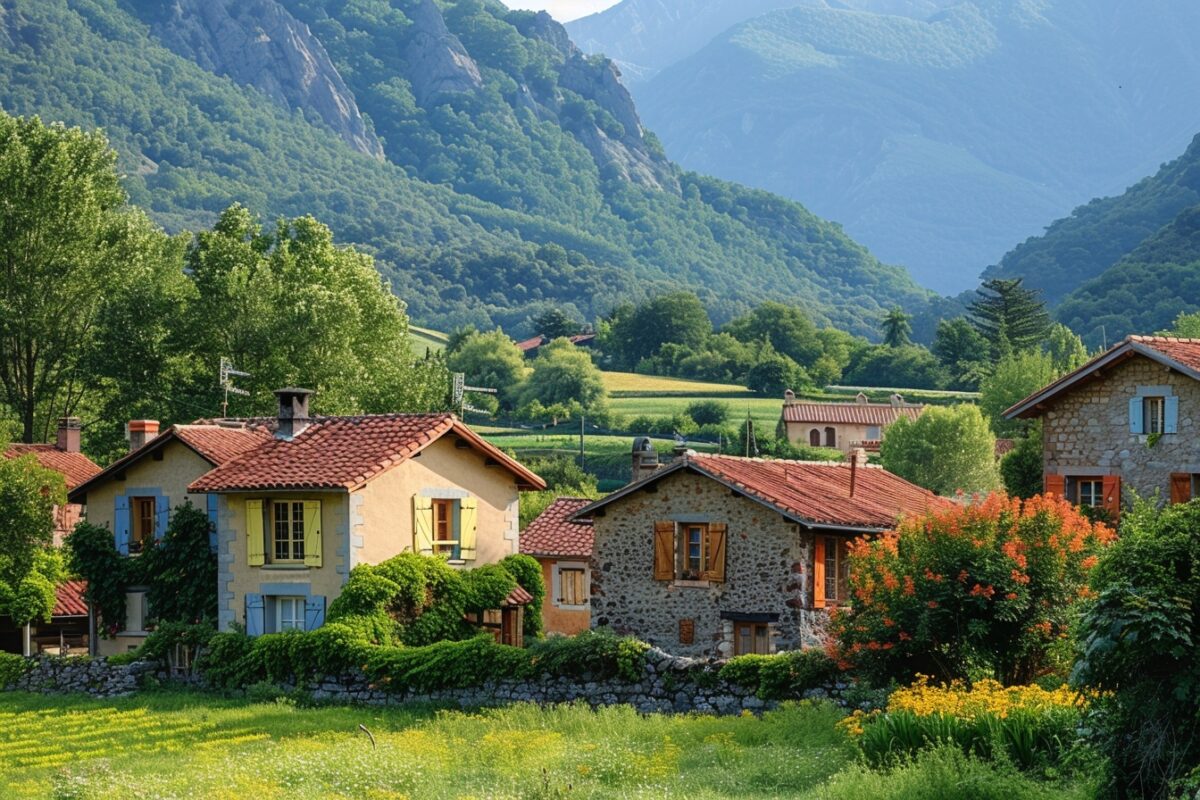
(422, 525)
(1056, 485)
(468, 522)
(1181, 487)
(664, 551)
(313, 540)
(1136, 419)
(121, 525)
(1112, 496)
(314, 612)
(1171, 414)
(255, 556)
(818, 572)
(256, 617)
(714, 568)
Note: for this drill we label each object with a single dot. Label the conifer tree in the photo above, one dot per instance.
(1011, 317)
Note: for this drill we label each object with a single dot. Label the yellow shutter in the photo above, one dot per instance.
(664, 550)
(714, 552)
(468, 521)
(312, 533)
(818, 572)
(255, 556)
(422, 525)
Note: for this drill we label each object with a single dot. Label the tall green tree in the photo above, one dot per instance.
(491, 360)
(1011, 317)
(564, 374)
(1066, 349)
(897, 328)
(946, 449)
(1015, 377)
(963, 353)
(554, 322)
(28, 567)
(64, 235)
(633, 333)
(1186, 326)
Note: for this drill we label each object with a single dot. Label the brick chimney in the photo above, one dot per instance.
(645, 458)
(68, 434)
(141, 431)
(858, 460)
(293, 412)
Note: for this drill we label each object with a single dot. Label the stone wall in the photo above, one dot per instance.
(1087, 431)
(767, 571)
(94, 676)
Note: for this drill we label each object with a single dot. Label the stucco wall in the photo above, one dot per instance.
(847, 435)
(179, 466)
(556, 618)
(1087, 431)
(768, 567)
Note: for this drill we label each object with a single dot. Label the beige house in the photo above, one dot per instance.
(843, 426)
(323, 495)
(563, 546)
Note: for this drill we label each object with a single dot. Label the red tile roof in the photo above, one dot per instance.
(75, 467)
(554, 533)
(518, 597)
(69, 600)
(881, 414)
(346, 452)
(584, 339)
(814, 493)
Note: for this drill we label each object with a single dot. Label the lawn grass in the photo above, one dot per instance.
(177, 745)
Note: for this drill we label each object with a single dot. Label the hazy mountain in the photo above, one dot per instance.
(492, 168)
(937, 140)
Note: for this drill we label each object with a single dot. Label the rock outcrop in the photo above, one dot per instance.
(438, 62)
(258, 43)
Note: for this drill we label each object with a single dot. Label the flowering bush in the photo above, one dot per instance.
(989, 585)
(1031, 725)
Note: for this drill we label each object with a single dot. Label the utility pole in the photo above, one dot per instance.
(582, 457)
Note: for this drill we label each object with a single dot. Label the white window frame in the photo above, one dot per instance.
(1096, 491)
(556, 584)
(290, 622)
(1154, 414)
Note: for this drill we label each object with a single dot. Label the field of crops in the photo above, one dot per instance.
(625, 384)
(424, 338)
(168, 745)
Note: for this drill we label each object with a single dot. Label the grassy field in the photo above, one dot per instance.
(424, 338)
(627, 384)
(174, 745)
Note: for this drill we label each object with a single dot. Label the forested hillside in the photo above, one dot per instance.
(491, 168)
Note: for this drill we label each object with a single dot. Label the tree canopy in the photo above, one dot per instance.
(1011, 317)
(946, 450)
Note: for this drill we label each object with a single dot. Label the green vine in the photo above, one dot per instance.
(1152, 439)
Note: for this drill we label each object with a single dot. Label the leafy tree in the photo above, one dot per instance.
(990, 586)
(181, 570)
(1014, 378)
(1011, 317)
(1022, 467)
(897, 328)
(823, 353)
(708, 412)
(962, 352)
(910, 367)
(28, 495)
(639, 332)
(773, 373)
(946, 450)
(490, 360)
(1066, 349)
(564, 373)
(1186, 326)
(554, 323)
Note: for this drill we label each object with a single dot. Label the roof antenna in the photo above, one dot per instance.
(1104, 337)
(227, 374)
(460, 395)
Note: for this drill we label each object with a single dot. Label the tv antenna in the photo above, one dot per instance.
(460, 394)
(227, 374)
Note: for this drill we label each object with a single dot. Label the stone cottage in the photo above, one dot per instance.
(563, 546)
(720, 555)
(843, 426)
(1126, 421)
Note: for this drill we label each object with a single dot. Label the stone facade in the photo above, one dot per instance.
(768, 571)
(1086, 431)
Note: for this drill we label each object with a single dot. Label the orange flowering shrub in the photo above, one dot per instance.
(990, 585)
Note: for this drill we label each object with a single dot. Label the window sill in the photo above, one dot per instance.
(285, 567)
(134, 634)
(571, 606)
(687, 584)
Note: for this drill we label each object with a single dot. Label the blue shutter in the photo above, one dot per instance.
(314, 612)
(255, 615)
(121, 525)
(211, 500)
(1171, 415)
(1135, 416)
(162, 517)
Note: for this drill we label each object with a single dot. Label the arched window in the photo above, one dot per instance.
(831, 437)
(814, 438)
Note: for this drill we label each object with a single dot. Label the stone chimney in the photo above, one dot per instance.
(68, 434)
(789, 397)
(141, 431)
(858, 460)
(645, 458)
(860, 398)
(293, 412)
(897, 400)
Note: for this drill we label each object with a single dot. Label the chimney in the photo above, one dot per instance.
(858, 460)
(897, 399)
(68, 434)
(293, 412)
(645, 458)
(141, 431)
(789, 397)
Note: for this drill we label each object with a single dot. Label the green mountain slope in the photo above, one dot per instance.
(490, 168)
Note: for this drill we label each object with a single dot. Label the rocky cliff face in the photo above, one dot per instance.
(257, 42)
(438, 61)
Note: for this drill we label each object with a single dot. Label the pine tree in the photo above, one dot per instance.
(897, 329)
(1011, 317)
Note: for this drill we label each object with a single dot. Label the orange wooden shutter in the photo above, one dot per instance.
(715, 568)
(1056, 485)
(664, 551)
(818, 572)
(1181, 487)
(1112, 496)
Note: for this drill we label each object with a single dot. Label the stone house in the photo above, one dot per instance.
(295, 514)
(721, 555)
(135, 495)
(843, 426)
(563, 546)
(1128, 420)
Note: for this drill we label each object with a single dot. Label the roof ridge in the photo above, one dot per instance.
(1137, 337)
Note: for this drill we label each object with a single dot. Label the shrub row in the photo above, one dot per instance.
(781, 676)
(12, 667)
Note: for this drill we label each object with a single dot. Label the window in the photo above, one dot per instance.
(837, 570)
(445, 537)
(693, 551)
(135, 612)
(287, 523)
(572, 590)
(751, 637)
(831, 437)
(873, 433)
(814, 437)
(1088, 492)
(1154, 414)
(289, 614)
(141, 533)
(689, 551)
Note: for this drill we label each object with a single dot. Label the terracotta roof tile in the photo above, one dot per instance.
(554, 533)
(346, 452)
(69, 600)
(518, 597)
(882, 414)
(74, 467)
(1183, 351)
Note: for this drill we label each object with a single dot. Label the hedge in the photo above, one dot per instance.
(781, 676)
